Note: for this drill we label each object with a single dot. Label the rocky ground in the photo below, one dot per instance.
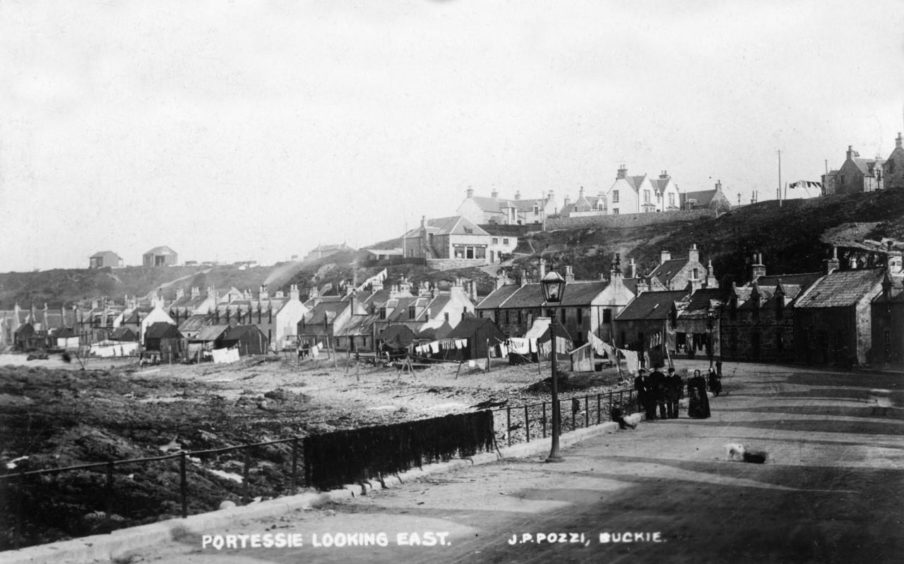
(54, 415)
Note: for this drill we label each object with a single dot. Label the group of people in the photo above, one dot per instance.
(664, 391)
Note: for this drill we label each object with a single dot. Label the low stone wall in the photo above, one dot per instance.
(452, 264)
(627, 220)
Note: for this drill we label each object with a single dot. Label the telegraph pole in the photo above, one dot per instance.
(779, 178)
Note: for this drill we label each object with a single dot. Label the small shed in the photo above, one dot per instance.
(124, 333)
(164, 338)
(247, 338)
(398, 337)
(482, 335)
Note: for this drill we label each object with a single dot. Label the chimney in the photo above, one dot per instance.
(664, 256)
(757, 269)
(718, 185)
(833, 263)
(580, 192)
(293, 292)
(542, 268)
(569, 274)
(474, 291)
(664, 175)
(693, 255)
(642, 286)
(633, 266)
(500, 280)
(850, 152)
(262, 293)
(551, 195)
(898, 141)
(566, 202)
(518, 194)
(195, 292)
(622, 172)
(470, 192)
(711, 281)
(615, 269)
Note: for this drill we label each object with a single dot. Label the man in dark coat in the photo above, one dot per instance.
(657, 382)
(645, 394)
(673, 387)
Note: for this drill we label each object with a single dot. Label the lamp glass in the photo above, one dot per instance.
(553, 287)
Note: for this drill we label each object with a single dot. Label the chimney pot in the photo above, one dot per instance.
(470, 192)
(664, 256)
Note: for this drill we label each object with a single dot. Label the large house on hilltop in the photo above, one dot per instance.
(481, 210)
(855, 175)
(642, 194)
(584, 205)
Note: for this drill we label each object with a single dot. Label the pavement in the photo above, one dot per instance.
(829, 491)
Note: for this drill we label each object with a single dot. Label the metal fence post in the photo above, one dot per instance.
(599, 412)
(183, 483)
(526, 425)
(508, 425)
(294, 465)
(544, 419)
(586, 411)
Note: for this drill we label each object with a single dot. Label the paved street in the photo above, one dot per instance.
(830, 492)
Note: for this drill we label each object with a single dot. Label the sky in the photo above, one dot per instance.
(256, 130)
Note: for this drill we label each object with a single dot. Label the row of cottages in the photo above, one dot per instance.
(585, 206)
(275, 315)
(481, 210)
(859, 174)
(358, 320)
(456, 242)
(587, 305)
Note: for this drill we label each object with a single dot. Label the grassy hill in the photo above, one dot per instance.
(793, 238)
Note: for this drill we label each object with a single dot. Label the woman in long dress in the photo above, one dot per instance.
(698, 402)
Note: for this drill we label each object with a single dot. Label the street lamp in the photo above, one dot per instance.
(553, 290)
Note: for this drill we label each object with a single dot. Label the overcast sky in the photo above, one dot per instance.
(257, 130)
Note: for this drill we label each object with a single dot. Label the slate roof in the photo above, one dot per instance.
(239, 331)
(161, 250)
(866, 166)
(455, 224)
(469, 326)
(840, 289)
(162, 330)
(702, 197)
(496, 205)
(804, 279)
(651, 305)
(498, 296)
(669, 269)
(577, 293)
(701, 300)
(210, 332)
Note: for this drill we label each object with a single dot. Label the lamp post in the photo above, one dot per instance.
(553, 288)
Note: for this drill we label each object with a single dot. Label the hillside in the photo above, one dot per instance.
(792, 238)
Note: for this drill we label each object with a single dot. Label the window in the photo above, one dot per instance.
(446, 316)
(382, 313)
(468, 230)
(505, 241)
(536, 209)
(646, 196)
(495, 240)
(615, 211)
(694, 274)
(519, 317)
(507, 317)
(411, 312)
(607, 316)
(480, 252)
(671, 200)
(599, 205)
(580, 315)
(615, 196)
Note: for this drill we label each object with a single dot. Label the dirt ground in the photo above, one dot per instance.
(54, 414)
(829, 491)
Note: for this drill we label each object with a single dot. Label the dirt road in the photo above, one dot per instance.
(830, 491)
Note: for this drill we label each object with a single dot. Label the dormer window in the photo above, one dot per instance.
(411, 312)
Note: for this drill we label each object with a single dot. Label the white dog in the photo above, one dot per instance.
(737, 449)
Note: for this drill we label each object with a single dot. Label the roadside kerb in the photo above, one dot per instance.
(114, 545)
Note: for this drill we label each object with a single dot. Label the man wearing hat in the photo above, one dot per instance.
(673, 387)
(646, 396)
